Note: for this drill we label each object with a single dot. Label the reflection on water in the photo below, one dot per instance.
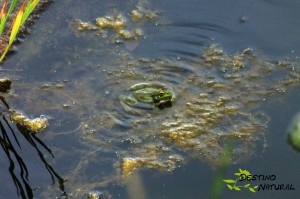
(135, 187)
(12, 149)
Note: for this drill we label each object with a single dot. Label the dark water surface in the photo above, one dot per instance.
(75, 78)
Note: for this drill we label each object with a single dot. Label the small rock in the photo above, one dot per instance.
(243, 19)
(5, 84)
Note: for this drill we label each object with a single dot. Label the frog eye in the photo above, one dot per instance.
(161, 93)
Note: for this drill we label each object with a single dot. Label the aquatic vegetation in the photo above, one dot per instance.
(222, 109)
(130, 165)
(140, 14)
(116, 23)
(83, 26)
(131, 35)
(293, 133)
(152, 156)
(216, 102)
(95, 195)
(119, 23)
(34, 125)
(22, 15)
(221, 170)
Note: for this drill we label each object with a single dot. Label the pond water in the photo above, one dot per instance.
(232, 68)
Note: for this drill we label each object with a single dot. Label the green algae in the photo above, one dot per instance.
(210, 110)
(216, 103)
(35, 125)
(124, 28)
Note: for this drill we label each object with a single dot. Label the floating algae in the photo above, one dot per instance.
(94, 194)
(151, 156)
(142, 13)
(225, 108)
(124, 28)
(216, 102)
(116, 23)
(34, 125)
(83, 26)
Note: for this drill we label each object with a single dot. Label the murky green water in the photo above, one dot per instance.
(235, 73)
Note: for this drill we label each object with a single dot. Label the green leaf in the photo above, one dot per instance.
(255, 187)
(245, 172)
(21, 16)
(252, 190)
(3, 17)
(229, 186)
(30, 7)
(237, 174)
(16, 26)
(237, 188)
(246, 185)
(229, 181)
(11, 7)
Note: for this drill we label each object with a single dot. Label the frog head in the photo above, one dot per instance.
(165, 95)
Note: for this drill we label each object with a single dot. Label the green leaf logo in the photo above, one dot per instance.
(232, 184)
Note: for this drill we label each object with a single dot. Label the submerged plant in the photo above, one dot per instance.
(21, 16)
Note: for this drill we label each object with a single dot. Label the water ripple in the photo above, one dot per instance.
(186, 38)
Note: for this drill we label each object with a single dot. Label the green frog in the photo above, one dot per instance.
(147, 96)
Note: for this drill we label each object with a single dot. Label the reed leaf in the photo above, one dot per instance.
(3, 16)
(21, 16)
(3, 20)
(15, 28)
(17, 23)
(31, 5)
(11, 7)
